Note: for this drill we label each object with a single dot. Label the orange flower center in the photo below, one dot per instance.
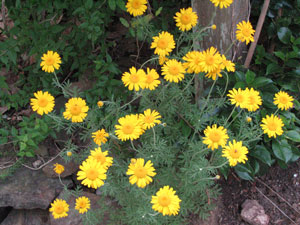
(162, 43)
(127, 129)
(140, 172)
(272, 126)
(234, 153)
(149, 119)
(215, 136)
(82, 204)
(185, 19)
(251, 100)
(75, 110)
(210, 60)
(100, 158)
(42, 102)
(174, 70)
(239, 98)
(164, 200)
(283, 99)
(92, 174)
(134, 78)
(149, 79)
(49, 61)
(136, 4)
(246, 32)
(59, 209)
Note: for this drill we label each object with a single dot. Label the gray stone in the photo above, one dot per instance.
(27, 217)
(253, 213)
(70, 168)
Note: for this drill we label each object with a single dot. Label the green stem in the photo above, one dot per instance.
(235, 117)
(227, 80)
(149, 60)
(154, 139)
(64, 91)
(229, 115)
(132, 145)
(276, 111)
(216, 167)
(230, 46)
(212, 87)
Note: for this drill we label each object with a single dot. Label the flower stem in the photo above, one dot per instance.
(235, 117)
(212, 87)
(229, 115)
(132, 145)
(154, 139)
(149, 60)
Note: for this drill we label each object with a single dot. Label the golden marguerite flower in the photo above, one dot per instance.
(166, 201)
(100, 104)
(163, 43)
(58, 168)
(253, 100)
(162, 60)
(83, 204)
(136, 7)
(222, 3)
(101, 157)
(59, 208)
(235, 152)
(238, 97)
(192, 64)
(135, 79)
(272, 125)
(92, 173)
(140, 173)
(42, 103)
(210, 60)
(152, 79)
(248, 119)
(69, 153)
(215, 73)
(150, 118)
(186, 19)
(76, 110)
(100, 136)
(230, 66)
(283, 100)
(215, 136)
(173, 71)
(50, 61)
(245, 32)
(131, 127)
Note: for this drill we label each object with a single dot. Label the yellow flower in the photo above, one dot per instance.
(248, 119)
(149, 118)
(152, 79)
(244, 32)
(186, 19)
(235, 152)
(272, 125)
(166, 201)
(101, 157)
(215, 136)
(254, 99)
(238, 97)
(222, 3)
(283, 100)
(192, 63)
(135, 79)
(140, 173)
(230, 67)
(173, 71)
(163, 43)
(50, 61)
(58, 168)
(210, 60)
(100, 104)
(130, 127)
(162, 60)
(82, 204)
(69, 153)
(91, 173)
(213, 26)
(59, 208)
(76, 110)
(42, 103)
(215, 73)
(100, 136)
(136, 7)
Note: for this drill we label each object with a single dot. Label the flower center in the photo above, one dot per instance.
(49, 61)
(149, 119)
(174, 70)
(272, 126)
(164, 200)
(239, 98)
(75, 110)
(59, 209)
(134, 78)
(136, 4)
(283, 100)
(127, 129)
(92, 174)
(215, 137)
(82, 204)
(246, 32)
(209, 60)
(42, 102)
(149, 79)
(251, 100)
(162, 43)
(140, 172)
(185, 19)
(234, 153)
(100, 158)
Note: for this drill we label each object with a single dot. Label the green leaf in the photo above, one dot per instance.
(112, 4)
(124, 22)
(121, 4)
(158, 11)
(239, 76)
(273, 68)
(261, 153)
(284, 35)
(250, 76)
(261, 81)
(280, 55)
(22, 146)
(89, 4)
(240, 84)
(292, 135)
(3, 84)
(282, 150)
(243, 175)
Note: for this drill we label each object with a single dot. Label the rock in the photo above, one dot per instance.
(74, 217)
(42, 150)
(253, 213)
(26, 217)
(28, 189)
(70, 168)
(4, 211)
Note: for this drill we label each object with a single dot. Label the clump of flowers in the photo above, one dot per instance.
(186, 19)
(135, 79)
(152, 79)
(76, 110)
(253, 100)
(59, 208)
(235, 152)
(50, 62)
(101, 157)
(272, 125)
(43, 103)
(238, 97)
(245, 32)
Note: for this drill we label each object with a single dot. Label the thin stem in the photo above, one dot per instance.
(229, 115)
(149, 60)
(154, 139)
(230, 46)
(64, 91)
(235, 117)
(276, 111)
(227, 80)
(132, 145)
(216, 167)
(212, 87)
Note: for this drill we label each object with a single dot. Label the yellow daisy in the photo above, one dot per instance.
(235, 152)
(245, 32)
(253, 101)
(215, 73)
(100, 104)
(238, 97)
(163, 43)
(136, 7)
(135, 79)
(152, 79)
(101, 157)
(58, 168)
(149, 118)
(283, 100)
(162, 60)
(140, 173)
(59, 208)
(186, 19)
(272, 125)
(192, 63)
(42, 103)
(222, 3)
(83, 204)
(166, 201)
(173, 71)
(130, 127)
(50, 61)
(76, 110)
(100, 136)
(230, 66)
(210, 60)
(91, 173)
(215, 136)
